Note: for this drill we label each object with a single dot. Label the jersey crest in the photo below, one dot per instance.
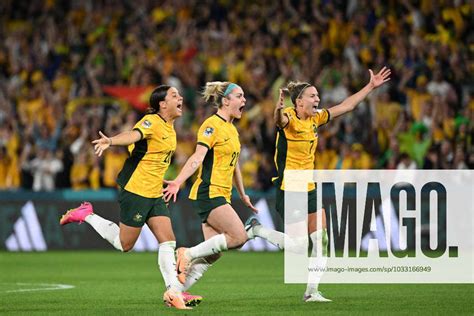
(208, 131)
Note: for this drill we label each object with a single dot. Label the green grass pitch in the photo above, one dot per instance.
(107, 283)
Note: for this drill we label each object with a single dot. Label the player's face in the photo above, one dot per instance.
(310, 101)
(236, 102)
(174, 102)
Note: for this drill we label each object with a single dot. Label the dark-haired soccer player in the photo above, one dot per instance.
(151, 144)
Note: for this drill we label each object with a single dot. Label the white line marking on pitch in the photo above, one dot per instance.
(47, 287)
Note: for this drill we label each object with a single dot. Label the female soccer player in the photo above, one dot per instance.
(151, 143)
(296, 143)
(217, 157)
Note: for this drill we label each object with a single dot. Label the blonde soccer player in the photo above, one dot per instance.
(151, 144)
(217, 159)
(296, 144)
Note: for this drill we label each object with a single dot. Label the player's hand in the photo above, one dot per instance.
(280, 105)
(171, 190)
(380, 78)
(101, 144)
(248, 203)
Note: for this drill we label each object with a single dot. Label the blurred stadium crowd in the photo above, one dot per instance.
(56, 57)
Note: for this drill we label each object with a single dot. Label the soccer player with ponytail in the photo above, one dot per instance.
(296, 143)
(217, 158)
(151, 144)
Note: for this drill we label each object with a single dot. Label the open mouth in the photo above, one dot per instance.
(180, 105)
(241, 109)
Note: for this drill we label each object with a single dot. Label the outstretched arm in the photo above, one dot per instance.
(239, 184)
(351, 102)
(122, 139)
(191, 165)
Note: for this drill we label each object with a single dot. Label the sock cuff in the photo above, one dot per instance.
(117, 243)
(89, 217)
(320, 241)
(221, 242)
(319, 234)
(168, 244)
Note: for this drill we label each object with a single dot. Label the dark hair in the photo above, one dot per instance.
(296, 89)
(158, 95)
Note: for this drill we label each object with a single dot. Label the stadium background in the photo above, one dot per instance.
(71, 68)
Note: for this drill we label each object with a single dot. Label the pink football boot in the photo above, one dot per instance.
(77, 214)
(191, 300)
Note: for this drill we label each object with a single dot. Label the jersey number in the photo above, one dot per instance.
(168, 156)
(235, 156)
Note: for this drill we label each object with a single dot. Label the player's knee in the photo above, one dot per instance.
(240, 239)
(236, 239)
(127, 246)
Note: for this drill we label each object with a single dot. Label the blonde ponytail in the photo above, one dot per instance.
(216, 90)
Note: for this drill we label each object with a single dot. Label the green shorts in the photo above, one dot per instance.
(205, 206)
(135, 209)
(300, 198)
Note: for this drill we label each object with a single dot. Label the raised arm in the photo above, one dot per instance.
(351, 102)
(239, 184)
(190, 167)
(122, 139)
(281, 120)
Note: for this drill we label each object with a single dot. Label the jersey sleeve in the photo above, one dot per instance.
(207, 135)
(322, 117)
(144, 126)
(289, 114)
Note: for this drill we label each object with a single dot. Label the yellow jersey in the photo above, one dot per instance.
(217, 170)
(149, 158)
(296, 144)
